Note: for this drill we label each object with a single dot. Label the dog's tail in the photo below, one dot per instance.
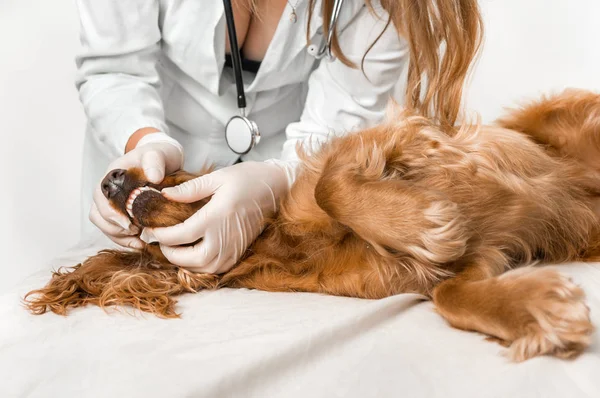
(568, 124)
(118, 278)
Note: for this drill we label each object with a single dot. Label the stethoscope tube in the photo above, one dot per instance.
(235, 54)
(337, 6)
(326, 51)
(241, 133)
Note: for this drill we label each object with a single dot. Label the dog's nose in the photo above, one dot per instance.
(113, 183)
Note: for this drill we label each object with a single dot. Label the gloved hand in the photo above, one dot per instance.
(243, 195)
(157, 154)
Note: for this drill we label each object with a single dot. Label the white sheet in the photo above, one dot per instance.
(241, 343)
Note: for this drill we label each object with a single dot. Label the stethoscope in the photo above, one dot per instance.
(242, 133)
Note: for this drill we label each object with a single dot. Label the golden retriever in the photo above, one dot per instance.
(402, 207)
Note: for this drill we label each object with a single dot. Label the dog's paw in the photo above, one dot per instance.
(552, 317)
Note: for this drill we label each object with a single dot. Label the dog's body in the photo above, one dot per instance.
(405, 207)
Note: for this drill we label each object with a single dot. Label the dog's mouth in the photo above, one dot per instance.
(134, 195)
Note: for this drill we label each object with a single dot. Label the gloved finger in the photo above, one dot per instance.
(147, 236)
(128, 241)
(195, 189)
(194, 257)
(153, 164)
(107, 227)
(114, 232)
(108, 213)
(220, 265)
(217, 266)
(188, 231)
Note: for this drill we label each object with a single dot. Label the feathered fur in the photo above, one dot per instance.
(405, 207)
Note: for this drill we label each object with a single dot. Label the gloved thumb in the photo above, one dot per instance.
(193, 190)
(153, 164)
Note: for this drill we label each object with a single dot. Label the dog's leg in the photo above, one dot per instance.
(534, 311)
(568, 126)
(395, 216)
(569, 123)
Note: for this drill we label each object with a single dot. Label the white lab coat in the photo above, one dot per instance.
(159, 63)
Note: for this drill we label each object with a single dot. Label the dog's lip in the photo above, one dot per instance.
(134, 195)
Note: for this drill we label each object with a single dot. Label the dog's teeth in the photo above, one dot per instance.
(134, 195)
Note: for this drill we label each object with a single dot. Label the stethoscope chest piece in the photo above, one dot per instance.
(241, 134)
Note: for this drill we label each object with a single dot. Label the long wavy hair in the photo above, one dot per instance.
(444, 37)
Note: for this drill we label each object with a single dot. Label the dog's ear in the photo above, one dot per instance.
(111, 277)
(138, 279)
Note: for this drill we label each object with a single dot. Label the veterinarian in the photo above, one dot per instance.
(157, 80)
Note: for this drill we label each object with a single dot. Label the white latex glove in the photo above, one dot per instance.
(243, 195)
(157, 154)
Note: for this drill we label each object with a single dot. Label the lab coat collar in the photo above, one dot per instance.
(294, 42)
(288, 41)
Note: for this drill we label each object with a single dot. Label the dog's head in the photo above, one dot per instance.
(130, 193)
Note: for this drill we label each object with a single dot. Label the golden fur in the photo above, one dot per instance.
(405, 207)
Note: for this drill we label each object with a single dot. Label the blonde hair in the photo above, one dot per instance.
(444, 37)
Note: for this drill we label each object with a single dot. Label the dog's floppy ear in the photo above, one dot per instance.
(138, 279)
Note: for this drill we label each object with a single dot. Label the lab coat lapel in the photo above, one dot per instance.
(294, 41)
(213, 77)
(290, 38)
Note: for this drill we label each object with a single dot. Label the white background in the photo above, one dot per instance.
(532, 46)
